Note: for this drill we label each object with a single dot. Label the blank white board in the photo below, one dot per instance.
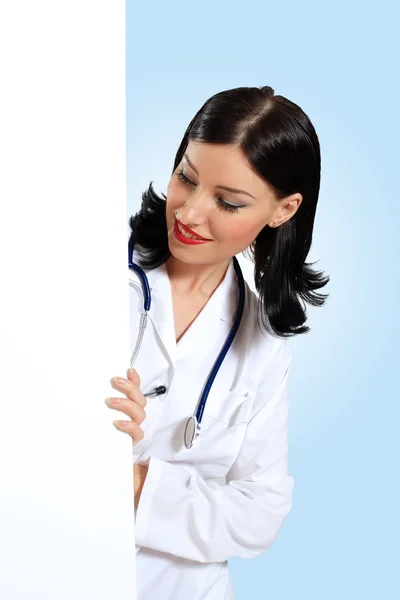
(66, 485)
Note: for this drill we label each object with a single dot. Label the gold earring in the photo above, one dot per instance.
(273, 224)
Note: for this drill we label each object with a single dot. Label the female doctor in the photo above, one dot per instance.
(246, 176)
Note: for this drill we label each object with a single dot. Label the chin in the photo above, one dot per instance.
(189, 255)
(184, 255)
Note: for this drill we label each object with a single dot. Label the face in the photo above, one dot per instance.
(216, 194)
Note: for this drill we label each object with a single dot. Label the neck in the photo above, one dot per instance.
(195, 279)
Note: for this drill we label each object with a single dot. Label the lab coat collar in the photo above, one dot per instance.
(205, 330)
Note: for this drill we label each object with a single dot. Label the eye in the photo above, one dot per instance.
(180, 175)
(221, 203)
(226, 206)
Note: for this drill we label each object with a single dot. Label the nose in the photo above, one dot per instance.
(194, 211)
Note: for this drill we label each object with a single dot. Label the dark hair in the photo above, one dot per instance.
(282, 147)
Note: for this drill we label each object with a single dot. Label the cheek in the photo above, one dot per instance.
(175, 191)
(176, 197)
(238, 230)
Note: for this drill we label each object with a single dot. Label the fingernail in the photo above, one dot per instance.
(112, 401)
(131, 371)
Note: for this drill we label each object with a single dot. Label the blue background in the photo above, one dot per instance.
(338, 62)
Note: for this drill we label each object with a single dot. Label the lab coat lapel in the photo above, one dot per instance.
(204, 332)
(161, 311)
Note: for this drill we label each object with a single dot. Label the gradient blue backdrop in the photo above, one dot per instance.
(339, 62)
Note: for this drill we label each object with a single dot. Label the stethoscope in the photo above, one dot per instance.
(193, 425)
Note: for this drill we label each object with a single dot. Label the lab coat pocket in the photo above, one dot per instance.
(223, 428)
(231, 407)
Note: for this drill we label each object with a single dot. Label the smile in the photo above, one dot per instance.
(185, 235)
(189, 235)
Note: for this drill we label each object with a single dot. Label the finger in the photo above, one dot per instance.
(132, 429)
(129, 408)
(132, 391)
(133, 376)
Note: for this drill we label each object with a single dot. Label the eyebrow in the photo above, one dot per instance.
(219, 187)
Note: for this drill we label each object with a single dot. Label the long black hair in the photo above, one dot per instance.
(281, 146)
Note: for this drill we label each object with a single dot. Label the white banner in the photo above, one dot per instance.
(66, 487)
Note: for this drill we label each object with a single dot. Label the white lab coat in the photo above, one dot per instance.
(231, 492)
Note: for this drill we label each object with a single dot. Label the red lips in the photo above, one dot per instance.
(188, 230)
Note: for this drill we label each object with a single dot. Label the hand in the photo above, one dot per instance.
(139, 477)
(133, 405)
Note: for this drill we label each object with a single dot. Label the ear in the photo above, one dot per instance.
(287, 208)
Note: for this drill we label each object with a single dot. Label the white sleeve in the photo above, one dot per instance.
(182, 514)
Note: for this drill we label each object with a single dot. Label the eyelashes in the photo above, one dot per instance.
(220, 201)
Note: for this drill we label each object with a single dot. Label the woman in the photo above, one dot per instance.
(246, 176)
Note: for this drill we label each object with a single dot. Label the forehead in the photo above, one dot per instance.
(225, 165)
(211, 157)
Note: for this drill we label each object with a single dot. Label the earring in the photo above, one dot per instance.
(273, 224)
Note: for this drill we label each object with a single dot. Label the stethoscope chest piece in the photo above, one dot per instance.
(192, 431)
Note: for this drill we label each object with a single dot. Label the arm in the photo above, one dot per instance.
(182, 514)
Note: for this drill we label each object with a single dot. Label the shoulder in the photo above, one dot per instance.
(268, 357)
(260, 336)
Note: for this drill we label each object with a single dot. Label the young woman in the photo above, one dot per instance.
(246, 176)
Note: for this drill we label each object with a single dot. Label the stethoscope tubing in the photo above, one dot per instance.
(193, 425)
